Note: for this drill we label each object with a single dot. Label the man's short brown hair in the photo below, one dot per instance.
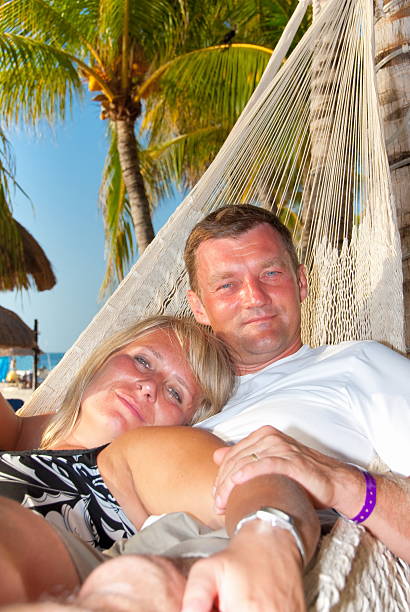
(230, 222)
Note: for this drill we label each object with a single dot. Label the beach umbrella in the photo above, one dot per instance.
(16, 337)
(36, 268)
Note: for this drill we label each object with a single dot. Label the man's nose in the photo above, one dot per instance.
(254, 293)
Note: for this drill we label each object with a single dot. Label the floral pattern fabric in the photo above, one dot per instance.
(66, 488)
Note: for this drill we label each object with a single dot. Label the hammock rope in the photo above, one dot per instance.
(309, 145)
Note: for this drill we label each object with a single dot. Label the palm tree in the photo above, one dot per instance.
(159, 65)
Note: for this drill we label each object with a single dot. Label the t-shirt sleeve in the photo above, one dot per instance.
(380, 398)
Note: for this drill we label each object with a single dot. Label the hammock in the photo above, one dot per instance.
(308, 145)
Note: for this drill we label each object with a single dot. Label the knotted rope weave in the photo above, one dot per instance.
(309, 145)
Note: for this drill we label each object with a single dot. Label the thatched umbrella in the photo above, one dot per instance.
(15, 334)
(21, 272)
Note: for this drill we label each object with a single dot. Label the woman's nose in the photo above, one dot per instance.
(148, 388)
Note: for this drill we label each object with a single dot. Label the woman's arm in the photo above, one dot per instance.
(10, 425)
(156, 470)
(19, 433)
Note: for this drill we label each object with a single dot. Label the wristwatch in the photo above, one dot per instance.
(276, 518)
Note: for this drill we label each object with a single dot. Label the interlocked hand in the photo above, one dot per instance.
(269, 451)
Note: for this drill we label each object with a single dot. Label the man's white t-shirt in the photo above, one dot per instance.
(350, 401)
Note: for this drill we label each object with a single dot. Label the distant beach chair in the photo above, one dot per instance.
(15, 403)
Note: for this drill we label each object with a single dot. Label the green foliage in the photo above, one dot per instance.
(156, 62)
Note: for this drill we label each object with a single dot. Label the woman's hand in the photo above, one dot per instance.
(260, 570)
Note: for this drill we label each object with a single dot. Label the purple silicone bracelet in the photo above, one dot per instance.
(370, 499)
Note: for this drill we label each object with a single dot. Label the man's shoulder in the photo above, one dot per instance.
(370, 348)
(347, 348)
(368, 351)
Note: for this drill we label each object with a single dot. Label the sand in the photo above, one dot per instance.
(11, 391)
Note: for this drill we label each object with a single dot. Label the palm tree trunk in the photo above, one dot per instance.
(134, 182)
(392, 32)
(323, 118)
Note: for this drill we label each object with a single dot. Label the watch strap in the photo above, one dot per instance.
(276, 518)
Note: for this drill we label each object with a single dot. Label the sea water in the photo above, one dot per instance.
(26, 362)
(45, 360)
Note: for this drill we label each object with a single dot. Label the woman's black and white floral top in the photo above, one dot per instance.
(66, 488)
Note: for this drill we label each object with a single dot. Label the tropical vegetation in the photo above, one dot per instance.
(170, 76)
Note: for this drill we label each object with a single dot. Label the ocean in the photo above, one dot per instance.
(25, 362)
(45, 360)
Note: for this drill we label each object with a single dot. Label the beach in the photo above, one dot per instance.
(23, 364)
(11, 391)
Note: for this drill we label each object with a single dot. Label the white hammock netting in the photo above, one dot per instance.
(309, 145)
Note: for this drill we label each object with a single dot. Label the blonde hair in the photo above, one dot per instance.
(207, 356)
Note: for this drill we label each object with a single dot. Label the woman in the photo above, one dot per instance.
(161, 371)
(141, 378)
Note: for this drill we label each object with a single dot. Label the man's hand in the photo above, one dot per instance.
(260, 570)
(269, 451)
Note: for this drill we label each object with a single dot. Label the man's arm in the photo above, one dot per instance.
(171, 469)
(330, 483)
(261, 569)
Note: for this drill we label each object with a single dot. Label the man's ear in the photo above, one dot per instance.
(197, 307)
(302, 282)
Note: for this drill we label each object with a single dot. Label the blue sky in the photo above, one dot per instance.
(61, 171)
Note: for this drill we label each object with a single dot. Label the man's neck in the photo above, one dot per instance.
(250, 368)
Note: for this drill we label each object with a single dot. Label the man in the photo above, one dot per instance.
(333, 405)
(247, 284)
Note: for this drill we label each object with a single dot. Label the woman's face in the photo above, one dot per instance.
(149, 382)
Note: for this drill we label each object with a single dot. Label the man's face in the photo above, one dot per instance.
(250, 294)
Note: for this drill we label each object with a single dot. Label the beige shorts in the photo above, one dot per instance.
(173, 535)
(85, 557)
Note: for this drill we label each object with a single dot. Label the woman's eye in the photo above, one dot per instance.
(175, 394)
(142, 361)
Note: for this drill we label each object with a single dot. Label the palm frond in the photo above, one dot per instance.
(36, 80)
(58, 24)
(170, 163)
(263, 21)
(223, 82)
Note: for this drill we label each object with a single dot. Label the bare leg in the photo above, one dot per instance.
(33, 559)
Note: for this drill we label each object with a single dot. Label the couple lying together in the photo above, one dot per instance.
(109, 459)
